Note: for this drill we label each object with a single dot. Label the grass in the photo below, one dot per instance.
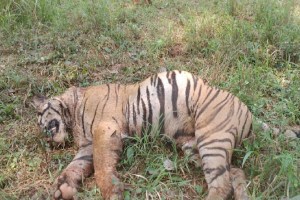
(251, 48)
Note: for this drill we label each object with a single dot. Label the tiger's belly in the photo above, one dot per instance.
(161, 104)
(180, 129)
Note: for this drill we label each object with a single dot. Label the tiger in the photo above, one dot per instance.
(206, 122)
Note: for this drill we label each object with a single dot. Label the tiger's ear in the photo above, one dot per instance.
(38, 100)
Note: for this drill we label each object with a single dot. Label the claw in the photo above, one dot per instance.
(57, 194)
(67, 191)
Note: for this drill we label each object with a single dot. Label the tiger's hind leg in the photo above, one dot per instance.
(107, 149)
(215, 152)
(239, 184)
(191, 152)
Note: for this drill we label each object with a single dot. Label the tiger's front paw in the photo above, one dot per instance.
(65, 189)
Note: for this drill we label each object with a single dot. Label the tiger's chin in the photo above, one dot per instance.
(58, 140)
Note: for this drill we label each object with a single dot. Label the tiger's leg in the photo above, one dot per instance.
(239, 184)
(107, 149)
(237, 175)
(190, 150)
(215, 152)
(68, 182)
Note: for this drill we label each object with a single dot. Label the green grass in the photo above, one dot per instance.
(251, 48)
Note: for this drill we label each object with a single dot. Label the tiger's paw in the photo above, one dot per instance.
(65, 190)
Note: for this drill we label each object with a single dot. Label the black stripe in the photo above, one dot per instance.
(246, 120)
(88, 158)
(187, 95)
(168, 75)
(208, 94)
(50, 107)
(155, 79)
(250, 130)
(209, 170)
(239, 117)
(144, 124)
(212, 155)
(95, 112)
(42, 113)
(134, 115)
(149, 107)
(208, 133)
(195, 79)
(161, 98)
(86, 145)
(57, 112)
(82, 119)
(221, 171)
(174, 94)
(219, 127)
(220, 149)
(207, 104)
(107, 97)
(195, 151)
(63, 113)
(213, 116)
(202, 138)
(115, 120)
(181, 133)
(199, 93)
(75, 106)
(223, 101)
(233, 131)
(66, 113)
(196, 104)
(216, 140)
(114, 134)
(241, 111)
(187, 148)
(138, 99)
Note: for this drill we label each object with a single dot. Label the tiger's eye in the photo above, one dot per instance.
(52, 127)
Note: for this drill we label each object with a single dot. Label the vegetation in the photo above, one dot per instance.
(251, 48)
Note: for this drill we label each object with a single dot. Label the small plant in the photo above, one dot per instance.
(250, 48)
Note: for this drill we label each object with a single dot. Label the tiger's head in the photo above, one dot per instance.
(53, 118)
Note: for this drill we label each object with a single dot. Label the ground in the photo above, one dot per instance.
(250, 48)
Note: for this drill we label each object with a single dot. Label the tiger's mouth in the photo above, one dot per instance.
(58, 140)
(52, 132)
(53, 144)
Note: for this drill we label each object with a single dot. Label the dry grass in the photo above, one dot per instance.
(249, 48)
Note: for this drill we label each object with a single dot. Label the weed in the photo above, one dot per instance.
(250, 48)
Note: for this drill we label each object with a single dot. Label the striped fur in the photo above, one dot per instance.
(201, 119)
